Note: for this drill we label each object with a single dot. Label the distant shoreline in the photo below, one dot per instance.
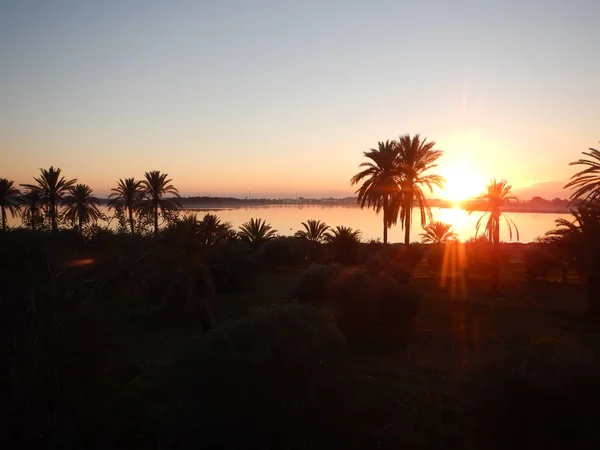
(204, 204)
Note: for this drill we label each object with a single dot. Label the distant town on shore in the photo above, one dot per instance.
(534, 205)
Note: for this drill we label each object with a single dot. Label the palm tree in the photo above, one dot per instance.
(31, 201)
(344, 242)
(155, 187)
(415, 158)
(212, 231)
(53, 187)
(496, 196)
(586, 183)
(9, 199)
(379, 189)
(438, 233)
(314, 231)
(256, 231)
(128, 195)
(580, 239)
(81, 205)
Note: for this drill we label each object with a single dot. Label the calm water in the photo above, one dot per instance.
(287, 220)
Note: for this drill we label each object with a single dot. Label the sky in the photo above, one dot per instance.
(280, 98)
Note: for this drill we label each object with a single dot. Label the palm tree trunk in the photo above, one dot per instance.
(130, 210)
(80, 224)
(156, 220)
(385, 215)
(3, 219)
(495, 234)
(53, 216)
(407, 223)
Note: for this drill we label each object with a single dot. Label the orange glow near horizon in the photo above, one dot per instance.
(462, 183)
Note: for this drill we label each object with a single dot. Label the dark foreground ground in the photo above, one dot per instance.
(476, 371)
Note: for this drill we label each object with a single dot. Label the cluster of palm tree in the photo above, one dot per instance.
(45, 198)
(54, 198)
(394, 178)
(147, 197)
(319, 232)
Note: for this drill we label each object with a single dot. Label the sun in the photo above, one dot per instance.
(462, 183)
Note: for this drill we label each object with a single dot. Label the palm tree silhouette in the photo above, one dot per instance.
(496, 196)
(379, 189)
(53, 187)
(81, 205)
(155, 186)
(9, 199)
(212, 231)
(128, 194)
(344, 242)
(341, 233)
(580, 237)
(256, 231)
(586, 183)
(314, 231)
(415, 157)
(31, 202)
(438, 233)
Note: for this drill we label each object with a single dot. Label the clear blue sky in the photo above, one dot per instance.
(279, 97)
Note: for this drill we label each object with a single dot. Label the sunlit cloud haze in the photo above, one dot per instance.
(279, 99)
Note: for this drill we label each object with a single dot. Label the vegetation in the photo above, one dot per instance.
(586, 183)
(438, 233)
(53, 188)
(81, 206)
(416, 157)
(9, 200)
(314, 231)
(128, 194)
(256, 231)
(394, 179)
(379, 189)
(155, 187)
(147, 336)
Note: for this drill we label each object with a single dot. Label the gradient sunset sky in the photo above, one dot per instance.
(282, 97)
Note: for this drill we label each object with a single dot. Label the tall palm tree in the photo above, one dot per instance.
(155, 186)
(497, 195)
(81, 205)
(256, 231)
(31, 202)
(314, 231)
(379, 189)
(586, 183)
(128, 195)
(416, 156)
(9, 199)
(53, 187)
(438, 233)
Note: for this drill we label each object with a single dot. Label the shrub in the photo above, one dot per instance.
(381, 261)
(539, 262)
(272, 370)
(313, 287)
(409, 256)
(281, 251)
(353, 301)
(232, 266)
(435, 258)
(398, 305)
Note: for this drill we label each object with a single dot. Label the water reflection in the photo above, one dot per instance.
(287, 219)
